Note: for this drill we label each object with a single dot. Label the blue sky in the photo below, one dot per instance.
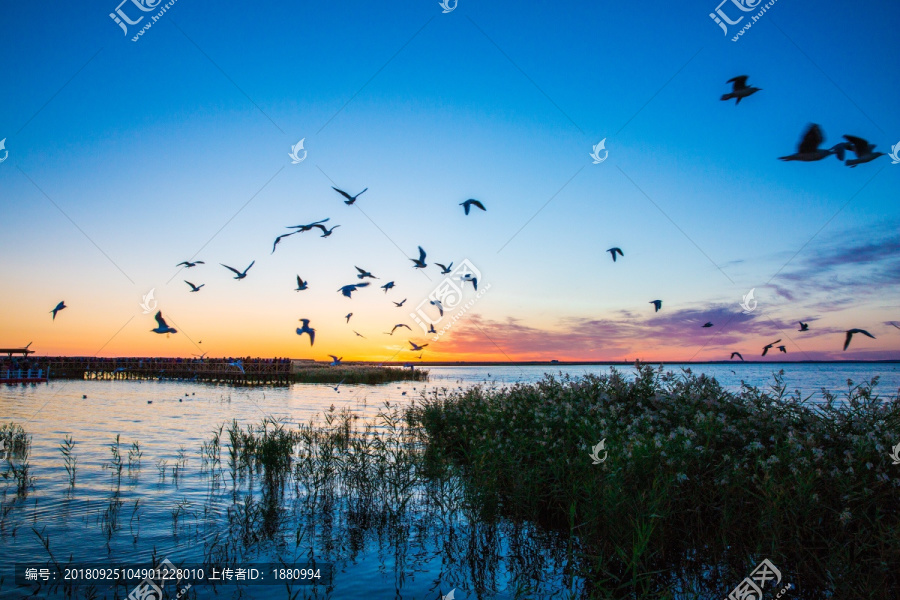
(128, 157)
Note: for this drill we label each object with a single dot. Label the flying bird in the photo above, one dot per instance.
(895, 325)
(419, 263)
(740, 89)
(325, 231)
(363, 274)
(348, 314)
(280, 237)
(399, 325)
(339, 385)
(768, 347)
(349, 289)
(468, 204)
(401, 303)
(302, 228)
(470, 277)
(613, 252)
(439, 306)
(187, 264)
(808, 149)
(708, 324)
(335, 361)
(58, 308)
(738, 354)
(194, 288)
(431, 328)
(862, 149)
(850, 333)
(238, 274)
(358, 334)
(803, 326)
(445, 268)
(161, 326)
(415, 347)
(349, 199)
(783, 349)
(657, 304)
(301, 285)
(387, 286)
(307, 329)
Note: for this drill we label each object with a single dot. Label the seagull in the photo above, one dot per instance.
(187, 264)
(657, 304)
(738, 354)
(363, 274)
(58, 308)
(439, 306)
(895, 325)
(803, 326)
(416, 347)
(349, 289)
(387, 286)
(863, 151)
(238, 364)
(431, 328)
(783, 349)
(708, 324)
(307, 329)
(339, 385)
(278, 239)
(850, 333)
(401, 303)
(335, 361)
(349, 199)
(301, 228)
(348, 314)
(325, 231)
(194, 288)
(613, 252)
(419, 263)
(301, 285)
(468, 204)
(740, 89)
(768, 347)
(162, 327)
(238, 274)
(358, 334)
(399, 325)
(808, 149)
(444, 268)
(200, 355)
(470, 277)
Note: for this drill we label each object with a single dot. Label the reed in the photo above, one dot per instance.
(67, 449)
(355, 374)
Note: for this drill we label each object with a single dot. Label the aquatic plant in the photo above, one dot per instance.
(67, 449)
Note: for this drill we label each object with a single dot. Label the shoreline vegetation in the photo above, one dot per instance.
(355, 374)
(697, 485)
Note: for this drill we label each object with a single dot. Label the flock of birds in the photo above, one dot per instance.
(809, 149)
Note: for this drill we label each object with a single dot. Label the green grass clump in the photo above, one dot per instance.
(356, 374)
(697, 479)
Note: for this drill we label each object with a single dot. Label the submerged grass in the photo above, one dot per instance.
(699, 484)
(356, 374)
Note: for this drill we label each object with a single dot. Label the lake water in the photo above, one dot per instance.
(166, 416)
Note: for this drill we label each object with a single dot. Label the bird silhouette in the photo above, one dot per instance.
(401, 303)
(348, 314)
(302, 228)
(803, 326)
(301, 285)
(614, 251)
(783, 349)
(850, 333)
(325, 231)
(862, 149)
(657, 304)
(740, 89)
(161, 325)
(387, 286)
(738, 354)
(768, 347)
(307, 329)
(471, 278)
(349, 199)
(335, 361)
(431, 328)
(58, 308)
(808, 149)
(445, 268)
(416, 347)
(281, 237)
(363, 274)
(187, 264)
(398, 326)
(419, 263)
(358, 334)
(438, 305)
(468, 204)
(349, 289)
(708, 324)
(239, 274)
(194, 288)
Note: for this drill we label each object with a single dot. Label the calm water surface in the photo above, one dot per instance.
(166, 416)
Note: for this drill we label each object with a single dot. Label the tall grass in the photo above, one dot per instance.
(695, 476)
(356, 374)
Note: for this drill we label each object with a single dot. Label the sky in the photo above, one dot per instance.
(127, 157)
